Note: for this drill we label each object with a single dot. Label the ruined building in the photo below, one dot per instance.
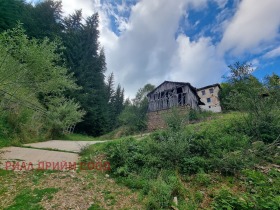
(183, 96)
(209, 95)
(167, 95)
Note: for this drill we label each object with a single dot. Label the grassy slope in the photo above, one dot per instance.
(93, 190)
(64, 190)
(251, 188)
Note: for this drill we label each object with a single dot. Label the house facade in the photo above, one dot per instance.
(209, 95)
(173, 94)
(168, 95)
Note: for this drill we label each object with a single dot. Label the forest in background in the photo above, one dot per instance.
(52, 71)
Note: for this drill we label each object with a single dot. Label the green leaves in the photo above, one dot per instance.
(32, 79)
(243, 92)
(63, 113)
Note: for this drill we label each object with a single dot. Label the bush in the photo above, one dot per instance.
(160, 195)
(202, 179)
(192, 165)
(227, 200)
(176, 119)
(262, 192)
(195, 115)
(156, 163)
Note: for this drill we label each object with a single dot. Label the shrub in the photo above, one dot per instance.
(227, 200)
(155, 163)
(176, 119)
(262, 192)
(171, 149)
(202, 179)
(159, 196)
(192, 165)
(195, 115)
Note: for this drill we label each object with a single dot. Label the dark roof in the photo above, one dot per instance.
(209, 86)
(193, 89)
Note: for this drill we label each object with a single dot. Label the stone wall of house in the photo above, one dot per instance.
(210, 99)
(156, 119)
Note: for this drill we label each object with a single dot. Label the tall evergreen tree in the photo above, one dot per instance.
(110, 87)
(88, 64)
(10, 12)
(82, 56)
(116, 107)
(44, 19)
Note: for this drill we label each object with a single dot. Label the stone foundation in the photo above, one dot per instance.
(156, 119)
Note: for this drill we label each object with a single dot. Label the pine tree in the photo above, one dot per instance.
(88, 65)
(10, 12)
(44, 19)
(110, 87)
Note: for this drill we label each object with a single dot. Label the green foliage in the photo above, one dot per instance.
(156, 164)
(32, 88)
(85, 59)
(10, 13)
(115, 100)
(63, 114)
(227, 200)
(192, 165)
(134, 115)
(95, 207)
(43, 19)
(265, 188)
(202, 179)
(195, 115)
(243, 92)
(159, 195)
(262, 192)
(79, 50)
(29, 199)
(175, 120)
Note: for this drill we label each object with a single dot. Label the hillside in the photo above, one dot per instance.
(213, 164)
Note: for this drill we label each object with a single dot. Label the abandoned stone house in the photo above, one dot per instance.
(167, 95)
(181, 95)
(209, 95)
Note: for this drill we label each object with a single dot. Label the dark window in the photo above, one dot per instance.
(208, 100)
(203, 92)
(209, 107)
(211, 90)
(180, 90)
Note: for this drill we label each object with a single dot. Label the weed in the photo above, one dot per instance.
(30, 199)
(203, 179)
(95, 207)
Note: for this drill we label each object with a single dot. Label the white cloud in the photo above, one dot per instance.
(147, 51)
(196, 62)
(273, 53)
(255, 24)
(88, 7)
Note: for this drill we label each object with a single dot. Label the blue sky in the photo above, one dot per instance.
(149, 41)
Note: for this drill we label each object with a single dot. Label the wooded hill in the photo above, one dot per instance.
(52, 71)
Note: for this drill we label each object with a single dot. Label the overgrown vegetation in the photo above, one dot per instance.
(134, 116)
(209, 157)
(260, 101)
(70, 46)
(160, 165)
(29, 199)
(33, 103)
(52, 77)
